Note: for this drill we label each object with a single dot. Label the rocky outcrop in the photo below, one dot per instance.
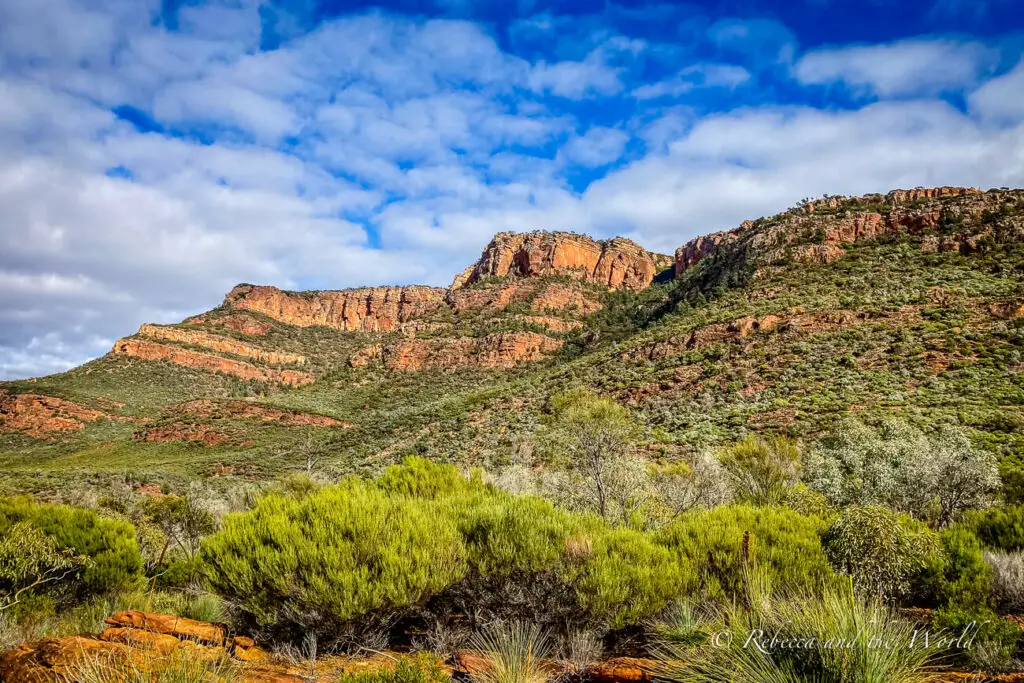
(150, 644)
(691, 253)
(169, 624)
(194, 433)
(371, 309)
(923, 193)
(816, 231)
(206, 409)
(43, 417)
(500, 350)
(218, 343)
(543, 297)
(618, 263)
(145, 350)
(241, 323)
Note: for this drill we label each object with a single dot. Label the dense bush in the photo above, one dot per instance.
(882, 550)
(959, 574)
(109, 546)
(994, 641)
(784, 544)
(935, 479)
(999, 528)
(762, 472)
(334, 555)
(425, 539)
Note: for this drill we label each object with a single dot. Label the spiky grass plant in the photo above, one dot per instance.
(180, 666)
(512, 653)
(837, 637)
(682, 624)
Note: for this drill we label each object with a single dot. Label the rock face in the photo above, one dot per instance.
(43, 417)
(617, 263)
(217, 343)
(207, 409)
(372, 309)
(695, 250)
(500, 350)
(817, 231)
(144, 644)
(202, 361)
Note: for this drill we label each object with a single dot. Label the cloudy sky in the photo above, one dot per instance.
(153, 154)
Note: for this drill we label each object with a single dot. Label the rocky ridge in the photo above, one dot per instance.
(816, 231)
(616, 263)
(552, 281)
(521, 267)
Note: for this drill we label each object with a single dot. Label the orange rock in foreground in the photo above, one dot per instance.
(168, 624)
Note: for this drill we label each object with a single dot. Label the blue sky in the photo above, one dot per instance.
(157, 152)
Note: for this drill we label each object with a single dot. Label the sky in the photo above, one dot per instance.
(154, 153)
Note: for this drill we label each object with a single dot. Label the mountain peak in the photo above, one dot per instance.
(617, 263)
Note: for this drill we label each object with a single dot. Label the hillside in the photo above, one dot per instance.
(909, 303)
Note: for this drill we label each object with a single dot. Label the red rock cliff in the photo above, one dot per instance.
(912, 211)
(371, 309)
(617, 263)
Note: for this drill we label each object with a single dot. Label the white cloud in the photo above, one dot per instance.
(696, 76)
(909, 67)
(597, 147)
(1001, 99)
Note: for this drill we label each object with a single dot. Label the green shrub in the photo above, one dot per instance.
(507, 534)
(762, 472)
(424, 540)
(999, 528)
(784, 544)
(882, 550)
(421, 478)
(627, 578)
(994, 640)
(109, 545)
(334, 555)
(959, 575)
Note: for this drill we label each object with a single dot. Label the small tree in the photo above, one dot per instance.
(596, 434)
(699, 482)
(935, 479)
(882, 550)
(762, 472)
(29, 560)
(183, 523)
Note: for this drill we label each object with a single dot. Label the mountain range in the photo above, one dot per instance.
(908, 304)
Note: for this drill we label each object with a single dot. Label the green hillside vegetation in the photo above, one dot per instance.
(770, 438)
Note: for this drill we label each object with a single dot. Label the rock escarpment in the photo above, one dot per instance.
(618, 263)
(146, 350)
(217, 343)
(528, 290)
(500, 350)
(817, 231)
(370, 309)
(45, 417)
